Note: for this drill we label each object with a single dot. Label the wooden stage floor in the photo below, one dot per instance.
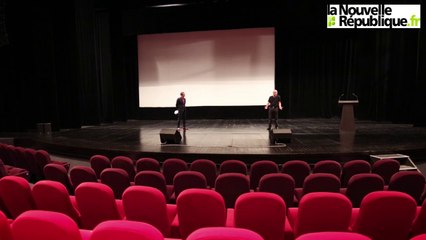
(312, 139)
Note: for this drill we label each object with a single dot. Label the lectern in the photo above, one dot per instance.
(347, 121)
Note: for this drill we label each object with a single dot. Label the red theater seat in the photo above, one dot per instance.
(419, 224)
(333, 236)
(56, 172)
(410, 182)
(96, 204)
(81, 174)
(171, 167)
(156, 180)
(328, 166)
(6, 170)
(352, 168)
(45, 225)
(320, 212)
(117, 179)
(362, 184)
(199, 208)
(298, 169)
(125, 230)
(224, 233)
(260, 168)
(53, 196)
(207, 168)
(385, 215)
(126, 164)
(99, 163)
(188, 179)
(319, 182)
(231, 186)
(263, 213)
(5, 231)
(147, 204)
(233, 166)
(15, 192)
(279, 183)
(385, 168)
(43, 158)
(147, 164)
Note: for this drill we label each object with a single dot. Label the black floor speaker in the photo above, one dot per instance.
(280, 135)
(170, 135)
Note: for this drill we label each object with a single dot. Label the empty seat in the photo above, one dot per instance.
(45, 225)
(43, 158)
(298, 169)
(35, 172)
(410, 182)
(419, 237)
(5, 231)
(147, 164)
(207, 168)
(279, 183)
(6, 170)
(263, 213)
(98, 163)
(199, 208)
(385, 168)
(171, 167)
(154, 179)
(53, 196)
(333, 236)
(419, 224)
(328, 166)
(260, 168)
(223, 233)
(81, 174)
(231, 186)
(233, 166)
(96, 204)
(117, 179)
(147, 204)
(126, 164)
(354, 167)
(319, 182)
(56, 172)
(385, 215)
(362, 184)
(321, 212)
(125, 230)
(15, 192)
(188, 179)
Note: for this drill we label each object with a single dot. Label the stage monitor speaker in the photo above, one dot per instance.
(280, 135)
(170, 135)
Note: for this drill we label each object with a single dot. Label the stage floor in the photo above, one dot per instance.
(225, 139)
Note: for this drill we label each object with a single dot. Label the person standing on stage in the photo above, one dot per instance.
(180, 105)
(274, 104)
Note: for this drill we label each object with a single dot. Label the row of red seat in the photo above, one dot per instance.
(382, 214)
(51, 225)
(298, 169)
(30, 162)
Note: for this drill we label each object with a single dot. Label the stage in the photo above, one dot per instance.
(248, 140)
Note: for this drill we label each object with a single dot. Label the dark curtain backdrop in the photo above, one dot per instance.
(76, 65)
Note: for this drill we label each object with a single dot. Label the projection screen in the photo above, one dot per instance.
(214, 68)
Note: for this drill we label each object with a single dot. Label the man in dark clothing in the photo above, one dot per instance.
(180, 105)
(274, 104)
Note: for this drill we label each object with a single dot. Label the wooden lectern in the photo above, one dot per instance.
(347, 121)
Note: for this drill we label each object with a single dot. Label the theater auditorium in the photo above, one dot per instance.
(212, 120)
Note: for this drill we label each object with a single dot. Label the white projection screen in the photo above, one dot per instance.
(213, 68)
